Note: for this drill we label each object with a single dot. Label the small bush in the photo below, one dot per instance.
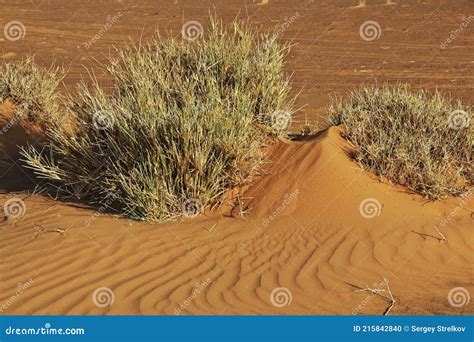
(421, 141)
(33, 90)
(186, 122)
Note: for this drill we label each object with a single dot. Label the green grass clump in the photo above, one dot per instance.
(415, 139)
(186, 122)
(33, 90)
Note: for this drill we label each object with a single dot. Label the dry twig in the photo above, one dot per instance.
(378, 292)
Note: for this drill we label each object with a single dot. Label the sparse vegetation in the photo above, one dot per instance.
(33, 90)
(415, 139)
(186, 121)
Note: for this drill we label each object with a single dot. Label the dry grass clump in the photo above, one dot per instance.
(186, 122)
(421, 141)
(33, 90)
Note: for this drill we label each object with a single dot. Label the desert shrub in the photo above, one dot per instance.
(33, 90)
(415, 139)
(185, 122)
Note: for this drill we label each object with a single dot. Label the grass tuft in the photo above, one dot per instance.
(421, 141)
(33, 91)
(185, 123)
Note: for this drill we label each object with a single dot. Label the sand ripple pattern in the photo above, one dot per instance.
(309, 259)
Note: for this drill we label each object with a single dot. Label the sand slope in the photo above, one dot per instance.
(304, 232)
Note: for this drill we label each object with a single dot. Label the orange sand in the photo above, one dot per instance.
(304, 232)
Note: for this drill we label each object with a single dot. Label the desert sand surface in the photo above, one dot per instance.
(313, 227)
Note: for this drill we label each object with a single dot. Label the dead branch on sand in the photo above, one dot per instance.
(379, 292)
(239, 202)
(441, 238)
(41, 230)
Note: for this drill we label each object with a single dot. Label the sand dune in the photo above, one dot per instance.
(304, 232)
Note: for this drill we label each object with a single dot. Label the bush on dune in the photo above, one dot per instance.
(421, 141)
(185, 121)
(33, 90)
